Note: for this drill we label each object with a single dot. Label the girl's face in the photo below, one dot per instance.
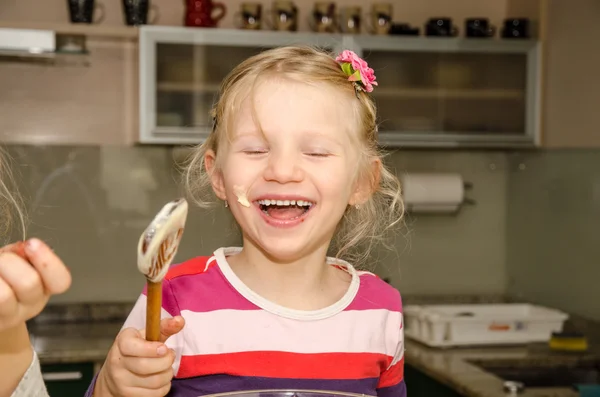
(297, 167)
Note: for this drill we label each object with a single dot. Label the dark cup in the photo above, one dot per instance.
(479, 27)
(516, 28)
(82, 11)
(136, 12)
(441, 27)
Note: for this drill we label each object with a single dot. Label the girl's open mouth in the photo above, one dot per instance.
(285, 210)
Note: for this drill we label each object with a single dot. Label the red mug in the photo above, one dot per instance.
(201, 13)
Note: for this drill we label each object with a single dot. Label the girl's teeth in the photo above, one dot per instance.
(300, 203)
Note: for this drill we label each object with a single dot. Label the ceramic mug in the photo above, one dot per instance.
(249, 16)
(204, 13)
(323, 18)
(82, 11)
(137, 12)
(381, 18)
(284, 16)
(350, 19)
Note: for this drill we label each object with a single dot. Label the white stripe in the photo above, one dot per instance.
(232, 331)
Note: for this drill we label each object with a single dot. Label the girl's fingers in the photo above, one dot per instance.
(55, 275)
(8, 301)
(22, 278)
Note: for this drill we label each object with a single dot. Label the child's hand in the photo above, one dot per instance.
(136, 367)
(29, 274)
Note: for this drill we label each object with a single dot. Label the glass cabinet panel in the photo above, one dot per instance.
(450, 93)
(454, 95)
(185, 72)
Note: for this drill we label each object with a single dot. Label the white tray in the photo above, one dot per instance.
(481, 324)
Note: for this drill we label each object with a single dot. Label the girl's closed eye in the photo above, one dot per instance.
(320, 152)
(255, 151)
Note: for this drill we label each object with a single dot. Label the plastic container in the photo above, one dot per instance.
(287, 393)
(481, 324)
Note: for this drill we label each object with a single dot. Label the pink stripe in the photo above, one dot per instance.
(374, 293)
(208, 291)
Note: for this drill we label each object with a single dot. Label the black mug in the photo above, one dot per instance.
(136, 12)
(479, 27)
(82, 11)
(516, 28)
(441, 27)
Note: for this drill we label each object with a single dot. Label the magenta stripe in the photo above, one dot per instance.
(209, 291)
(374, 293)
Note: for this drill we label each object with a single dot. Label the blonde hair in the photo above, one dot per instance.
(10, 201)
(360, 227)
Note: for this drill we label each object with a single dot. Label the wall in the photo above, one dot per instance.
(552, 229)
(91, 204)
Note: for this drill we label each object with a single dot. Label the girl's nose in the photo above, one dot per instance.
(283, 168)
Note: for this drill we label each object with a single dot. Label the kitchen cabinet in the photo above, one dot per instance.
(419, 384)
(433, 92)
(571, 88)
(68, 380)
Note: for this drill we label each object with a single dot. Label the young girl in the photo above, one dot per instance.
(29, 274)
(293, 154)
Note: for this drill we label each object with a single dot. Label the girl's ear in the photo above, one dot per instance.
(367, 184)
(216, 177)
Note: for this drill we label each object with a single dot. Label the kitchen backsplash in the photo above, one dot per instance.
(92, 203)
(552, 229)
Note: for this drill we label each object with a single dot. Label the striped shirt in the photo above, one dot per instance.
(236, 340)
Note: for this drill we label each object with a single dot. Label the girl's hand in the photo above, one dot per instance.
(136, 367)
(30, 273)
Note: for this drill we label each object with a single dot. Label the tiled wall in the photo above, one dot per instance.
(553, 243)
(92, 203)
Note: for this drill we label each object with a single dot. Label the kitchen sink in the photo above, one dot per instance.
(543, 374)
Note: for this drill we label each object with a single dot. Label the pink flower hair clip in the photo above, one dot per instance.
(357, 70)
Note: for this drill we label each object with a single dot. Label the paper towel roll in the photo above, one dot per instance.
(433, 193)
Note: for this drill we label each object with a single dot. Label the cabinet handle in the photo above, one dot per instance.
(56, 376)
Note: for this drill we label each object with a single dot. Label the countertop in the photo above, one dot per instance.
(73, 342)
(453, 367)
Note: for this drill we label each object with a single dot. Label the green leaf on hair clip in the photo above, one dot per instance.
(347, 68)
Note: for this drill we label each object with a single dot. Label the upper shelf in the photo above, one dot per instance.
(90, 30)
(415, 93)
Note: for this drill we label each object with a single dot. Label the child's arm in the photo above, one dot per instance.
(29, 274)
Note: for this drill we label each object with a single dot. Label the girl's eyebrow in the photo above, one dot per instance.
(318, 134)
(248, 133)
